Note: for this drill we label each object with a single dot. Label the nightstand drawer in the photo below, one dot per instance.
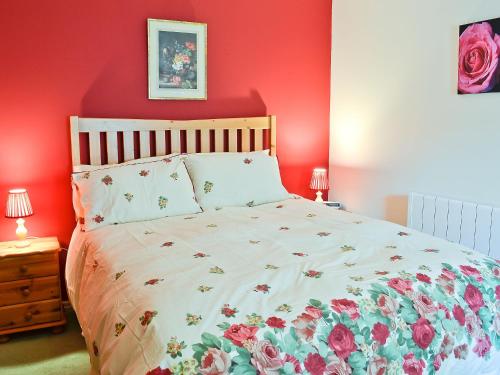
(29, 290)
(29, 314)
(29, 266)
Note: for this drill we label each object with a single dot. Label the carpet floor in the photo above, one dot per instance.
(43, 353)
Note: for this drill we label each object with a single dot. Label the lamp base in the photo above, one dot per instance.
(319, 197)
(21, 233)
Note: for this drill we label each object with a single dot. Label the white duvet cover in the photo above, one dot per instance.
(289, 287)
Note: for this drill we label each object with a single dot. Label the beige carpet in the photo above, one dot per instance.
(43, 353)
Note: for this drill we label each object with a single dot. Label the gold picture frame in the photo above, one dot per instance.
(177, 60)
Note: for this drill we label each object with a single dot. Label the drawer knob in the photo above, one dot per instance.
(23, 268)
(28, 316)
(26, 291)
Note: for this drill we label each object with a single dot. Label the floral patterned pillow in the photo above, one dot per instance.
(133, 192)
(235, 179)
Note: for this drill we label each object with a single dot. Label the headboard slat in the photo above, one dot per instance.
(205, 140)
(128, 145)
(112, 147)
(190, 141)
(175, 139)
(95, 148)
(219, 140)
(245, 140)
(233, 140)
(167, 137)
(145, 149)
(259, 139)
(161, 146)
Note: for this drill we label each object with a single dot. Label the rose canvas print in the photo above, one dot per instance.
(478, 58)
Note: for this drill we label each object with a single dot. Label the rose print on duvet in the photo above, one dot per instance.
(409, 326)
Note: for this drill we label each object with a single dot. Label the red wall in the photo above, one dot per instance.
(89, 58)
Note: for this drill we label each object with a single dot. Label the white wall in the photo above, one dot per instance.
(397, 124)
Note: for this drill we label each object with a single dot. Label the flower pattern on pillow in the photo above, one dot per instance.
(162, 202)
(133, 192)
(107, 180)
(208, 187)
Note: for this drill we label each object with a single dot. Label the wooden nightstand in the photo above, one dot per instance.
(30, 290)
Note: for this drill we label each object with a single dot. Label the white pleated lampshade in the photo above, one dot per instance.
(319, 179)
(18, 204)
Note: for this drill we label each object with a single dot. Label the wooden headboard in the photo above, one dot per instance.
(111, 141)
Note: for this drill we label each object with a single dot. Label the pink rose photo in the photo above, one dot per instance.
(478, 57)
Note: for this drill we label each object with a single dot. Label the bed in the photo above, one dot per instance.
(280, 288)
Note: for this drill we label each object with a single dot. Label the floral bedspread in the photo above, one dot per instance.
(284, 288)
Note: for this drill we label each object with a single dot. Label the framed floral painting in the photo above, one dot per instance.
(479, 57)
(177, 60)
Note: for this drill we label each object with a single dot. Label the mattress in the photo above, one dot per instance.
(282, 288)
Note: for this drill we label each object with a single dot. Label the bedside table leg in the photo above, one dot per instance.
(4, 339)
(57, 330)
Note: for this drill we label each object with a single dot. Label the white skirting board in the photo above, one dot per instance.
(470, 224)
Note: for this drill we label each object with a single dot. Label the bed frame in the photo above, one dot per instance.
(111, 141)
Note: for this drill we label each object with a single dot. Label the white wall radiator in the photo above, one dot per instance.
(470, 224)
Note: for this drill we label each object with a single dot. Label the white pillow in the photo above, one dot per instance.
(235, 179)
(134, 192)
(88, 167)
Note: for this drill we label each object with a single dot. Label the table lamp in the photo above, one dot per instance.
(18, 207)
(319, 181)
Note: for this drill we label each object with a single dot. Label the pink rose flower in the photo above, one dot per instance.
(478, 59)
(346, 306)
(380, 333)
(305, 326)
(159, 371)
(448, 274)
(314, 312)
(459, 314)
(240, 333)
(294, 361)
(413, 366)
(266, 357)
(473, 325)
(400, 285)
(471, 271)
(215, 362)
(438, 360)
(387, 305)
(424, 278)
(447, 281)
(496, 272)
(497, 292)
(424, 305)
(461, 351)
(176, 80)
(377, 366)
(447, 346)
(341, 341)
(275, 322)
(473, 297)
(315, 364)
(423, 333)
(483, 346)
(445, 310)
(338, 366)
